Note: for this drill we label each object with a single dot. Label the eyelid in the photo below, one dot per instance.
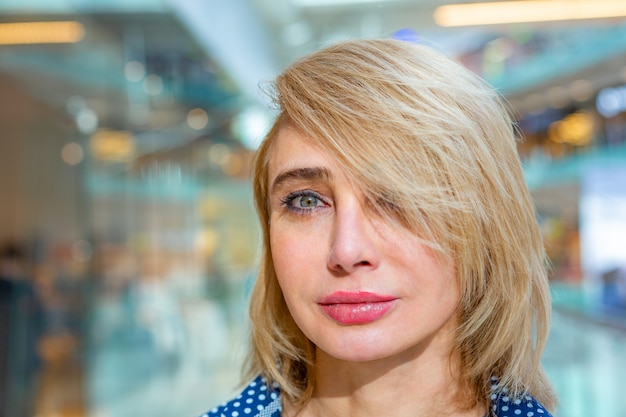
(384, 202)
(386, 207)
(289, 198)
(387, 204)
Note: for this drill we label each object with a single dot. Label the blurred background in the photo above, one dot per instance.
(128, 240)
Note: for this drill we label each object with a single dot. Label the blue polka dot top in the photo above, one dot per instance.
(260, 399)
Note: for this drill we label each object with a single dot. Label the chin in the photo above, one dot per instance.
(360, 357)
(362, 351)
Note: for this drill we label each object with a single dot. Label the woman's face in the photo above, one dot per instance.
(359, 288)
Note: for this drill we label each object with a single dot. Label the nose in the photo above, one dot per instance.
(354, 240)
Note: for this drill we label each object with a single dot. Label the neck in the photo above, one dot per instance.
(410, 385)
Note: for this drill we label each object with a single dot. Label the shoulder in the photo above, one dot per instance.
(525, 406)
(258, 399)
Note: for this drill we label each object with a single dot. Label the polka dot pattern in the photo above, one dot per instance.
(505, 406)
(256, 400)
(260, 400)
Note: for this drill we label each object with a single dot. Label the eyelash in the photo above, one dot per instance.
(288, 202)
(387, 205)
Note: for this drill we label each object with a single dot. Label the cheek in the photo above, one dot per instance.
(284, 249)
(446, 282)
(433, 274)
(291, 266)
(298, 247)
(289, 257)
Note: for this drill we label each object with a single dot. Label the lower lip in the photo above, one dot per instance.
(357, 313)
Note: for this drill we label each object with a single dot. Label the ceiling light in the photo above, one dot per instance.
(20, 33)
(491, 13)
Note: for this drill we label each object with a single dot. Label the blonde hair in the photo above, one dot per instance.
(435, 143)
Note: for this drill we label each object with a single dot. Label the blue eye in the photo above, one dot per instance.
(307, 201)
(303, 202)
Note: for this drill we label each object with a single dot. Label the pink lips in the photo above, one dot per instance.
(359, 307)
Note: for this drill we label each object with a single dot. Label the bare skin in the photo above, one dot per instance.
(324, 242)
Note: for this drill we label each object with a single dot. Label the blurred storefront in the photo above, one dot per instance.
(128, 239)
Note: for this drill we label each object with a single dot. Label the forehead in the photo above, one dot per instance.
(292, 149)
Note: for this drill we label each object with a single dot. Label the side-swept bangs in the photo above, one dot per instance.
(432, 147)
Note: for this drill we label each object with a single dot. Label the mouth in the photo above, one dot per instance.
(359, 307)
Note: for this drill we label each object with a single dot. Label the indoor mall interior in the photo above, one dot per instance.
(127, 226)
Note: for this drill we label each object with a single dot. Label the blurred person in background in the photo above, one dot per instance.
(404, 272)
(614, 289)
(21, 323)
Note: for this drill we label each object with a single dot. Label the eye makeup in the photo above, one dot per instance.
(304, 202)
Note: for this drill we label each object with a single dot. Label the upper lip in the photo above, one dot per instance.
(354, 297)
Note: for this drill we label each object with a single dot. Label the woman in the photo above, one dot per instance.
(403, 271)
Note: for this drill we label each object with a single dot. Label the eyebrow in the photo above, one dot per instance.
(313, 173)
